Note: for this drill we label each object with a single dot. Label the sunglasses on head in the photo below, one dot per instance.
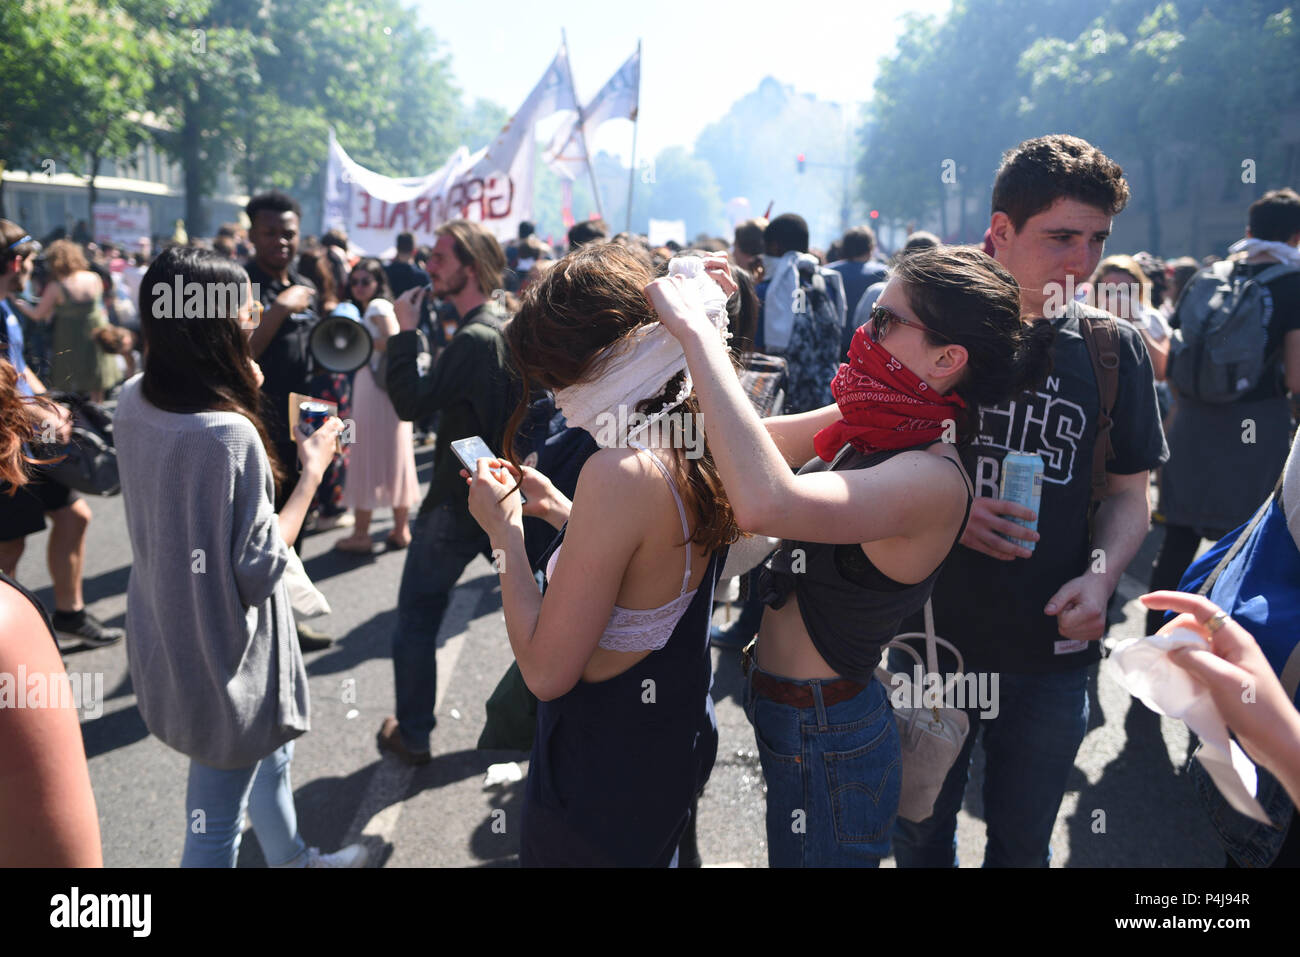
(883, 318)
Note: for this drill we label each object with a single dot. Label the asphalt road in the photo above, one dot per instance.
(1129, 766)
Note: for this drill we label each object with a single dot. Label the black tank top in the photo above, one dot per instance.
(850, 608)
(45, 615)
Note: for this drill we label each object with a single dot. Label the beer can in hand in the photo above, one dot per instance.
(312, 415)
(1022, 483)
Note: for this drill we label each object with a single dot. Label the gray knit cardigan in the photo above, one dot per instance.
(211, 640)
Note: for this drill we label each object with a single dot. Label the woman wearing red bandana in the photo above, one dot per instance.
(866, 525)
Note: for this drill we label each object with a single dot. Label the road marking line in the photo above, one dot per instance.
(380, 806)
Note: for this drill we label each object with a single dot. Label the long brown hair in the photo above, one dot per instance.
(589, 300)
(199, 363)
(16, 427)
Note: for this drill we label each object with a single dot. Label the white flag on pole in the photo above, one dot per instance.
(616, 100)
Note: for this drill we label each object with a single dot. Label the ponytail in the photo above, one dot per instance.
(1033, 359)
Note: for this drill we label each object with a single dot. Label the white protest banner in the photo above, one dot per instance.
(121, 225)
(664, 231)
(493, 186)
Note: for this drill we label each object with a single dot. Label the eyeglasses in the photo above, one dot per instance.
(363, 280)
(882, 318)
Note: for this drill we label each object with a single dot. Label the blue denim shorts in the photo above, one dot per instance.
(834, 776)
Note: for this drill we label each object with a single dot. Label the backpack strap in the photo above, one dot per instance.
(1273, 272)
(1231, 553)
(1101, 335)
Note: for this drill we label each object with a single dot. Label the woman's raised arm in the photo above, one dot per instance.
(908, 495)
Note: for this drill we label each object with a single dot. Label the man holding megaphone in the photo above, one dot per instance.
(281, 343)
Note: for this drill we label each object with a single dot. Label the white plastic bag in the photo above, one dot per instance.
(306, 598)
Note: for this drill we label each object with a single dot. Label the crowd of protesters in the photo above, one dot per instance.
(866, 483)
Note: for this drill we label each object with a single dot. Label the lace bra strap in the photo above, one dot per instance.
(681, 511)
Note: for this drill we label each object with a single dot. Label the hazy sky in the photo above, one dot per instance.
(696, 58)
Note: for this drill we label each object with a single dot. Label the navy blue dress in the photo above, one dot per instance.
(616, 764)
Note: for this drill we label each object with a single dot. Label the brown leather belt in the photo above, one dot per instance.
(796, 695)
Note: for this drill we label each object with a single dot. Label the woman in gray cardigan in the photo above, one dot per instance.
(214, 653)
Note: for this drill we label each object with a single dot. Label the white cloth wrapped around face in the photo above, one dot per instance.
(1142, 667)
(638, 367)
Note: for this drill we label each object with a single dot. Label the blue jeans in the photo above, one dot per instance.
(833, 775)
(1029, 749)
(215, 802)
(444, 541)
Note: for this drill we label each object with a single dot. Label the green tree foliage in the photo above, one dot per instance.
(73, 81)
(113, 73)
(947, 102)
(1157, 84)
(35, 70)
(1154, 84)
(213, 49)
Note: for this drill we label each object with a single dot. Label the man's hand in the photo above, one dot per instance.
(1080, 607)
(295, 299)
(986, 520)
(408, 306)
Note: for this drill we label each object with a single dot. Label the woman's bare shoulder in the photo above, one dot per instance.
(24, 638)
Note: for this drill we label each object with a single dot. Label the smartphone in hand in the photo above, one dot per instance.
(470, 450)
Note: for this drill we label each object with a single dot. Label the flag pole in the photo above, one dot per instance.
(582, 133)
(636, 121)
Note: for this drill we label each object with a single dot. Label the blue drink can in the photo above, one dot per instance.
(312, 415)
(1022, 483)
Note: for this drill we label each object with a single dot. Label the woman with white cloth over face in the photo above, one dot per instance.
(617, 650)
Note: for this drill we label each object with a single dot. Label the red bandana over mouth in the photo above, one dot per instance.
(883, 403)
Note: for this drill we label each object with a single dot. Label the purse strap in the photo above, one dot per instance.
(932, 643)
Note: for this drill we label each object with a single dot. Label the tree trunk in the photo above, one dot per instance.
(1152, 201)
(943, 212)
(191, 162)
(250, 175)
(961, 211)
(91, 192)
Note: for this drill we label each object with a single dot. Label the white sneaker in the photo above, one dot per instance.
(341, 520)
(354, 855)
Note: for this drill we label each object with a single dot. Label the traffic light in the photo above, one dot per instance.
(875, 214)
(799, 162)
